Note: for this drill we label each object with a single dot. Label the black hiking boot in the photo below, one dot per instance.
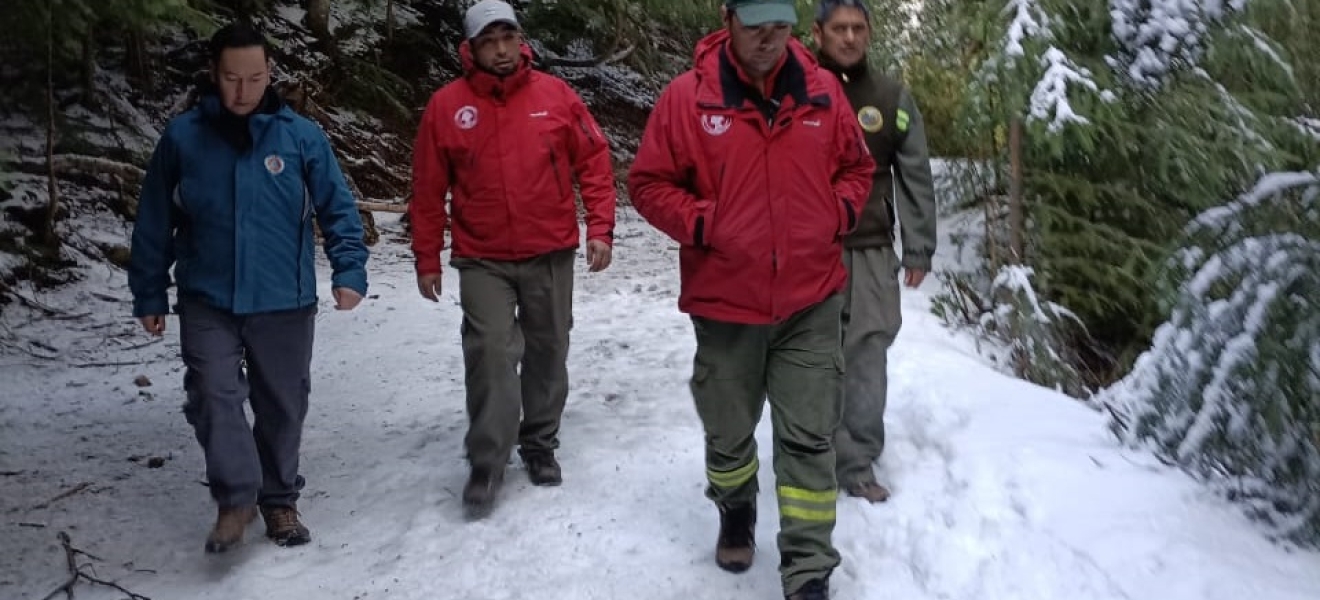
(816, 589)
(479, 494)
(737, 544)
(283, 526)
(542, 468)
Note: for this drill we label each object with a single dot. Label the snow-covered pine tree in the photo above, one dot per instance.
(1114, 163)
(1231, 387)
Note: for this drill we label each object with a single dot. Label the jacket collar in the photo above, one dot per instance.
(237, 129)
(858, 72)
(721, 82)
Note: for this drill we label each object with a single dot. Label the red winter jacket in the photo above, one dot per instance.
(758, 197)
(508, 150)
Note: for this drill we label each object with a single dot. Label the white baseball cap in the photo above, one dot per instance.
(486, 13)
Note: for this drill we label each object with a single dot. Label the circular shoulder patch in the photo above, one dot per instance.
(466, 117)
(870, 119)
(274, 164)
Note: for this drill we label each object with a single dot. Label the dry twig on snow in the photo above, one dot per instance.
(77, 573)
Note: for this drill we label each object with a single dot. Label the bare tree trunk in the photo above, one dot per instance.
(89, 68)
(389, 22)
(1016, 214)
(136, 61)
(318, 18)
(52, 186)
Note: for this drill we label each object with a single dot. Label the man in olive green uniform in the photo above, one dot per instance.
(871, 315)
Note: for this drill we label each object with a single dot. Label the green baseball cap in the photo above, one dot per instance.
(754, 13)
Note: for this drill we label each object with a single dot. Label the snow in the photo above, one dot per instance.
(1267, 47)
(1157, 36)
(1266, 189)
(1049, 100)
(1002, 489)
(1029, 21)
(1058, 73)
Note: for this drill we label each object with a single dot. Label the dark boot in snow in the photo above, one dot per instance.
(542, 468)
(869, 490)
(736, 545)
(229, 526)
(283, 526)
(479, 494)
(816, 589)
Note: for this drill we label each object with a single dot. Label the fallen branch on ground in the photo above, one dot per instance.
(113, 363)
(65, 494)
(77, 573)
(382, 207)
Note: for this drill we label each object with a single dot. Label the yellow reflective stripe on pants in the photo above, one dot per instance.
(809, 496)
(734, 478)
(806, 514)
(807, 505)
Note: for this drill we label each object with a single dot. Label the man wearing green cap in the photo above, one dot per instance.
(752, 161)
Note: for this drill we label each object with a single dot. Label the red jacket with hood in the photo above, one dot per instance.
(507, 149)
(758, 194)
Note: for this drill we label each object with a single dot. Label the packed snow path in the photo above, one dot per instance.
(1003, 490)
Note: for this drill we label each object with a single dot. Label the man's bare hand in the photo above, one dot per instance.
(346, 298)
(153, 324)
(429, 286)
(599, 255)
(913, 277)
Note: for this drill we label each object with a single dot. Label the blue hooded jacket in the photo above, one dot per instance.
(229, 201)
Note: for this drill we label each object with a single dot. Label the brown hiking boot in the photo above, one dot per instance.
(737, 543)
(283, 527)
(542, 468)
(870, 490)
(229, 526)
(816, 589)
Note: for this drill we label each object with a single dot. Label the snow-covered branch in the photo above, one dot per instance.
(1049, 100)
(1029, 21)
(1158, 36)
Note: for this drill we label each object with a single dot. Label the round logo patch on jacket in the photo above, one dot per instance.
(870, 119)
(466, 117)
(716, 124)
(274, 164)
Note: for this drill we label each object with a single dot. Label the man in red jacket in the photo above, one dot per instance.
(508, 142)
(754, 163)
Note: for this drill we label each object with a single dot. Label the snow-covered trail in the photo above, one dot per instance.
(1002, 490)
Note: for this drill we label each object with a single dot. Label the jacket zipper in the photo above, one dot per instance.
(582, 124)
(554, 165)
(774, 233)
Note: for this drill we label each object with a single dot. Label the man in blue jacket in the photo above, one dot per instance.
(228, 201)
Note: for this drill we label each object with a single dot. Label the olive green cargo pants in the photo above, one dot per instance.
(516, 321)
(871, 320)
(798, 365)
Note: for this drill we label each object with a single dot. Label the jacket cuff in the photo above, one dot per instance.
(920, 261)
(153, 306)
(354, 279)
(847, 217)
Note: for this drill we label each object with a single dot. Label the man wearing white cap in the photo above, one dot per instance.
(509, 143)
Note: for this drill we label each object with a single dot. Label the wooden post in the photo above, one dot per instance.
(52, 185)
(1016, 214)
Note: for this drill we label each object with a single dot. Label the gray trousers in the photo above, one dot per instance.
(871, 320)
(516, 321)
(796, 365)
(264, 359)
